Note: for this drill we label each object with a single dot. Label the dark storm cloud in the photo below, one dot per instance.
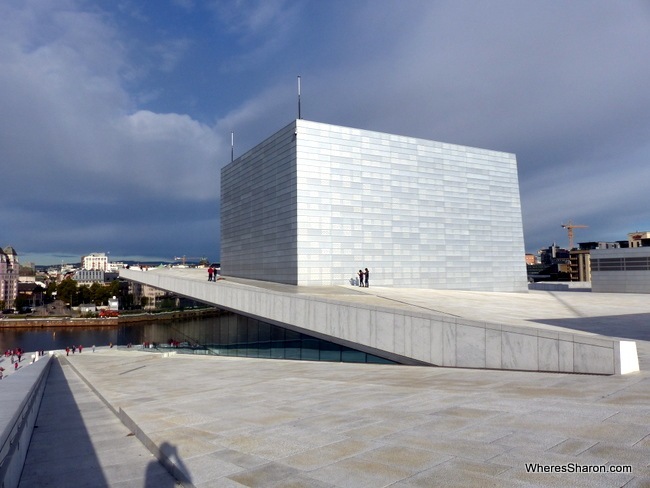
(93, 157)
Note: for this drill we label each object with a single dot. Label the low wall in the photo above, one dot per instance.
(104, 321)
(22, 392)
(560, 285)
(411, 337)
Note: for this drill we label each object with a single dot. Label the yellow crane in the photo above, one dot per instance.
(569, 226)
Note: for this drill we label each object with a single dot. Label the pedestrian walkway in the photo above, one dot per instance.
(233, 422)
(78, 442)
(13, 367)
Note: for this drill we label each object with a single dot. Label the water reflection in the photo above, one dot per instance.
(37, 338)
(228, 335)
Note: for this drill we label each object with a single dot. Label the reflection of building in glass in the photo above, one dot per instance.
(146, 296)
(315, 203)
(231, 334)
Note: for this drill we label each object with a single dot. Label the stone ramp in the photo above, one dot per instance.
(78, 442)
(414, 326)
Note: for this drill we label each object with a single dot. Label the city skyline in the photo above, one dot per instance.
(117, 118)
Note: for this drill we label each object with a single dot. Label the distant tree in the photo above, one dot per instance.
(51, 289)
(114, 289)
(67, 291)
(84, 295)
(99, 294)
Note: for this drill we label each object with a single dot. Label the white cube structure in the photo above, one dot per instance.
(314, 203)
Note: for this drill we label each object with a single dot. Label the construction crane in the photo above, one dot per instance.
(183, 259)
(569, 227)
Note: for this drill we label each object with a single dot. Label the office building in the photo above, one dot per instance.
(9, 271)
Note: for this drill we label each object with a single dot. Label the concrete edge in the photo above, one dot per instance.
(18, 429)
(130, 424)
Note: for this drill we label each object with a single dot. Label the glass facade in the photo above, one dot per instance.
(232, 334)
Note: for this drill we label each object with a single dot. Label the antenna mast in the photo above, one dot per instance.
(232, 146)
(299, 115)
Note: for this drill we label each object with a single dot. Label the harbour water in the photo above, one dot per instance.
(228, 335)
(55, 338)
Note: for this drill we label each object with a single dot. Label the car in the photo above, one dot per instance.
(109, 313)
(8, 311)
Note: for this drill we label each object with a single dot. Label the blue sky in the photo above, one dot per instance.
(115, 117)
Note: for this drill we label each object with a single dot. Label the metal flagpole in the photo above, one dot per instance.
(299, 116)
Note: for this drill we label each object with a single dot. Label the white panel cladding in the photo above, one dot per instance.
(315, 203)
(629, 273)
(417, 213)
(258, 212)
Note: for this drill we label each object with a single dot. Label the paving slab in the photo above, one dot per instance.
(256, 422)
(79, 442)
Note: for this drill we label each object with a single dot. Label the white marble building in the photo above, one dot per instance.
(314, 203)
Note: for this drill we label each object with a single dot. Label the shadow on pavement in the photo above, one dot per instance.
(174, 465)
(60, 452)
(632, 326)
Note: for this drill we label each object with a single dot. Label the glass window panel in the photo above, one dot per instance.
(277, 350)
(264, 349)
(264, 332)
(330, 351)
(292, 335)
(253, 331)
(310, 349)
(351, 356)
(292, 349)
(277, 333)
(377, 360)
